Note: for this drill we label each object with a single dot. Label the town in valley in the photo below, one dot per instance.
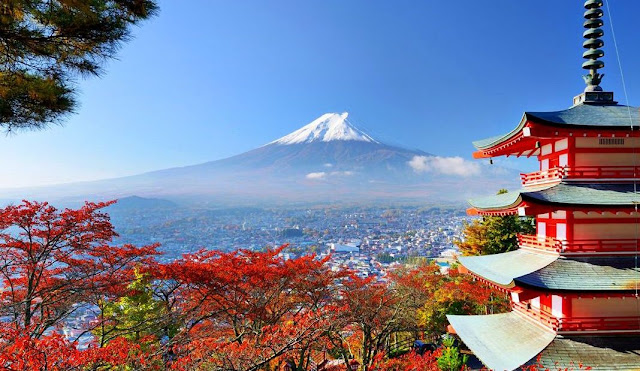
(368, 239)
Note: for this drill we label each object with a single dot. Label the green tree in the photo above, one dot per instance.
(136, 315)
(494, 234)
(46, 44)
(451, 359)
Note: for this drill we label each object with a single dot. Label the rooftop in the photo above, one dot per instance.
(502, 269)
(597, 352)
(552, 272)
(588, 116)
(516, 341)
(586, 274)
(564, 194)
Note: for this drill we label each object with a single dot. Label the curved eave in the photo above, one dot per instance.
(485, 147)
(550, 272)
(518, 207)
(505, 204)
(503, 269)
(493, 141)
(503, 341)
(592, 274)
(521, 140)
(563, 195)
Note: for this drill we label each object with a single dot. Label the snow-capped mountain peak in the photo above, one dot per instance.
(326, 128)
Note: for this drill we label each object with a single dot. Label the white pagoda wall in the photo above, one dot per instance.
(605, 307)
(605, 231)
(605, 159)
(599, 158)
(608, 226)
(590, 142)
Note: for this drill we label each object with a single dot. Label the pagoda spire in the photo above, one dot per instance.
(593, 93)
(593, 43)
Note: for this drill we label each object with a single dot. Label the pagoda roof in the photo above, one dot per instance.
(590, 116)
(502, 269)
(598, 352)
(572, 194)
(553, 272)
(509, 340)
(586, 274)
(501, 201)
(587, 115)
(503, 341)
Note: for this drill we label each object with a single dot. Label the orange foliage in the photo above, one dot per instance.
(432, 295)
(243, 309)
(408, 362)
(53, 352)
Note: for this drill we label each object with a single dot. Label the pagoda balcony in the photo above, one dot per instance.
(604, 246)
(580, 324)
(599, 324)
(545, 318)
(540, 242)
(553, 175)
(593, 173)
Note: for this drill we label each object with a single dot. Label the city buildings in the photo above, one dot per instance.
(370, 239)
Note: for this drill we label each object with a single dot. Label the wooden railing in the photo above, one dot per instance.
(600, 324)
(580, 172)
(606, 172)
(582, 324)
(604, 245)
(543, 317)
(540, 242)
(543, 176)
(580, 246)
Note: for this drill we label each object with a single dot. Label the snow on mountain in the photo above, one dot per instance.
(326, 160)
(326, 128)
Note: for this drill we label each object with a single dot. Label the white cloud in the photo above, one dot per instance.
(316, 176)
(324, 175)
(343, 173)
(328, 164)
(444, 165)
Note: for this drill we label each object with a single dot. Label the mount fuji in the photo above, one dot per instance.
(328, 160)
(326, 128)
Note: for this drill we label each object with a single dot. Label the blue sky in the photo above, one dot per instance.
(209, 79)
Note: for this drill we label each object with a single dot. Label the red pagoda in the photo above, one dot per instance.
(574, 284)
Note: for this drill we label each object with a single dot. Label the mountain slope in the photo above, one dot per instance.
(326, 160)
(343, 154)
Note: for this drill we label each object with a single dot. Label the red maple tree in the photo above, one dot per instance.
(372, 312)
(53, 352)
(54, 263)
(241, 310)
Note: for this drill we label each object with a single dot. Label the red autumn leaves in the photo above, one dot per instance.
(241, 310)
